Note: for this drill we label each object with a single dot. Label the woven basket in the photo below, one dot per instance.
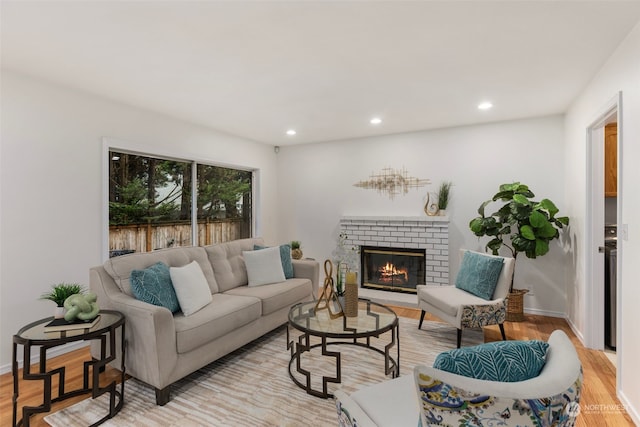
(515, 305)
(351, 300)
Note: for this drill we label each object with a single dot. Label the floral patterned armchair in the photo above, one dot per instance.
(463, 309)
(432, 397)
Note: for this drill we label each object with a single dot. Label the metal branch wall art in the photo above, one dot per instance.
(392, 182)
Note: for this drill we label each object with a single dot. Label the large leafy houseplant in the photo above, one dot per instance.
(521, 224)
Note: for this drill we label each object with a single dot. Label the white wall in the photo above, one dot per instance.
(620, 73)
(315, 187)
(51, 185)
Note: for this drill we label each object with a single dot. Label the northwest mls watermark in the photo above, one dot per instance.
(574, 409)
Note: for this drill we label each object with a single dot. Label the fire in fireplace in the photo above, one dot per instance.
(392, 269)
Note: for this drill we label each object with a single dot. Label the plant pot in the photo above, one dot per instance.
(296, 253)
(515, 305)
(58, 312)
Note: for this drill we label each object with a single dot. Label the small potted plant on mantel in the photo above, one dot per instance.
(59, 293)
(444, 194)
(520, 225)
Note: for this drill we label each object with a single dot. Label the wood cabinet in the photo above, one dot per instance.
(611, 160)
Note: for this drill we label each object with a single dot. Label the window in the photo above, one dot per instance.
(151, 202)
(224, 204)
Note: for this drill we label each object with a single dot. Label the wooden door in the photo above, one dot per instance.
(611, 160)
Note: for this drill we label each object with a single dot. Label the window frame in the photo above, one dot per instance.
(110, 144)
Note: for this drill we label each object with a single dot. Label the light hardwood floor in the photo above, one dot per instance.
(599, 404)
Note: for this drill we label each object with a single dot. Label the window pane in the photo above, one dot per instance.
(149, 203)
(224, 204)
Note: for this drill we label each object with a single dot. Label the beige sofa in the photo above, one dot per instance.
(163, 347)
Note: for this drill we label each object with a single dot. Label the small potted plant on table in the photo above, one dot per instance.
(59, 293)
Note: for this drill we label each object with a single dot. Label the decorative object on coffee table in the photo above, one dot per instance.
(529, 226)
(351, 295)
(296, 252)
(328, 298)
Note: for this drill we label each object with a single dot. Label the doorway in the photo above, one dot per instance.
(601, 211)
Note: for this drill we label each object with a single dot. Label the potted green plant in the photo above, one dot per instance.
(296, 252)
(444, 193)
(59, 293)
(521, 224)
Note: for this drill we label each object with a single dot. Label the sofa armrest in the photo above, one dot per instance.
(478, 316)
(150, 331)
(307, 269)
(350, 414)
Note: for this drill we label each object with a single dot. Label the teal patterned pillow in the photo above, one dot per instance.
(479, 274)
(505, 361)
(285, 257)
(153, 285)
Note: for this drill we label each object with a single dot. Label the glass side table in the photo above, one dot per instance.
(34, 335)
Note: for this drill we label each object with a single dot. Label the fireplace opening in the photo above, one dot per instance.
(392, 269)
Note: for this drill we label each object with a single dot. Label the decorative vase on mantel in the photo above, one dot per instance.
(431, 209)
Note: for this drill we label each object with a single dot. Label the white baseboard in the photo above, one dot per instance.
(35, 358)
(539, 312)
(631, 410)
(575, 330)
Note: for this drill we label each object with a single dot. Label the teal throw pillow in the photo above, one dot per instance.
(285, 257)
(479, 274)
(153, 285)
(505, 361)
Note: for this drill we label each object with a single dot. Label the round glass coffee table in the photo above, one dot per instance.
(319, 330)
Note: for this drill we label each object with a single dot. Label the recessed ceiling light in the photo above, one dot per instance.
(291, 132)
(485, 106)
(375, 121)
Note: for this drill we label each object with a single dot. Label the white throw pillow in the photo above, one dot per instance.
(264, 266)
(191, 287)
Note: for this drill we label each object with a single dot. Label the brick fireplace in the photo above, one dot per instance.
(428, 234)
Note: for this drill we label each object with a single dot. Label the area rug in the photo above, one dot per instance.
(252, 387)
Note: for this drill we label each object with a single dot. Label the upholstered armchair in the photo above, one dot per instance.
(434, 397)
(478, 298)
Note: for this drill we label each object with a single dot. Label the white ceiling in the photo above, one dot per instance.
(324, 68)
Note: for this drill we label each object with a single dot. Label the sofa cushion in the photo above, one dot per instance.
(449, 299)
(119, 268)
(153, 285)
(505, 361)
(390, 403)
(277, 295)
(263, 266)
(228, 265)
(479, 274)
(285, 257)
(223, 315)
(191, 287)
